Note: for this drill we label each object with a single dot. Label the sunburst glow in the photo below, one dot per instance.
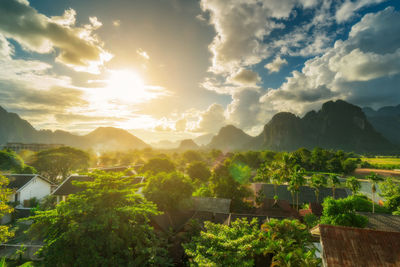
(126, 85)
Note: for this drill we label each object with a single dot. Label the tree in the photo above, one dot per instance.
(4, 208)
(373, 179)
(224, 185)
(244, 243)
(390, 190)
(191, 156)
(60, 162)
(296, 181)
(107, 224)
(168, 190)
(342, 212)
(10, 161)
(317, 181)
(157, 165)
(284, 167)
(353, 184)
(198, 171)
(290, 243)
(334, 182)
(349, 165)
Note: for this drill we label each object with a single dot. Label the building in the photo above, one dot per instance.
(26, 187)
(212, 204)
(17, 147)
(306, 194)
(354, 247)
(66, 188)
(381, 221)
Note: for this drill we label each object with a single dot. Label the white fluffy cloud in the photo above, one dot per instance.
(348, 8)
(241, 27)
(364, 69)
(212, 119)
(79, 48)
(276, 64)
(348, 69)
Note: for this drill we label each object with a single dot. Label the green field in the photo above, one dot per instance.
(383, 162)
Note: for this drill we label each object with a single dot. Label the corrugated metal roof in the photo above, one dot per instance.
(306, 194)
(348, 246)
(383, 222)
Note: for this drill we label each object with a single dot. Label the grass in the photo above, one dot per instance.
(389, 163)
(383, 161)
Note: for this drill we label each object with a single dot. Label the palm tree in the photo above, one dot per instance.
(296, 181)
(284, 167)
(334, 181)
(353, 184)
(317, 181)
(373, 179)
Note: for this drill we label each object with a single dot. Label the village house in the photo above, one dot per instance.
(27, 189)
(354, 247)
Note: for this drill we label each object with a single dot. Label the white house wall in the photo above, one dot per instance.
(35, 188)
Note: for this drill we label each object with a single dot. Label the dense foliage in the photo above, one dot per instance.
(390, 190)
(198, 171)
(11, 162)
(107, 224)
(224, 185)
(342, 212)
(4, 208)
(170, 191)
(157, 165)
(60, 162)
(282, 243)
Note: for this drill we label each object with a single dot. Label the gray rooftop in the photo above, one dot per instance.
(306, 194)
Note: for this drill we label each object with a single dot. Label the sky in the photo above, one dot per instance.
(174, 69)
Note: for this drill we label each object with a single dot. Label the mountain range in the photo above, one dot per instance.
(337, 125)
(15, 129)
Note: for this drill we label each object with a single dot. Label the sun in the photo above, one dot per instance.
(126, 85)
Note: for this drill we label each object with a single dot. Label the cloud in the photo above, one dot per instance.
(241, 27)
(180, 125)
(348, 69)
(77, 47)
(245, 109)
(246, 77)
(364, 70)
(212, 119)
(346, 11)
(116, 23)
(276, 64)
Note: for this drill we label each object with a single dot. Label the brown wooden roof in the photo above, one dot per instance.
(348, 246)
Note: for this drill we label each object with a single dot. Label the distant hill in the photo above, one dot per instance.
(109, 138)
(203, 139)
(188, 144)
(386, 120)
(165, 144)
(230, 138)
(338, 125)
(15, 129)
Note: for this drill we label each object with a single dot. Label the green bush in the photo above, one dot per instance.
(343, 212)
(311, 220)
